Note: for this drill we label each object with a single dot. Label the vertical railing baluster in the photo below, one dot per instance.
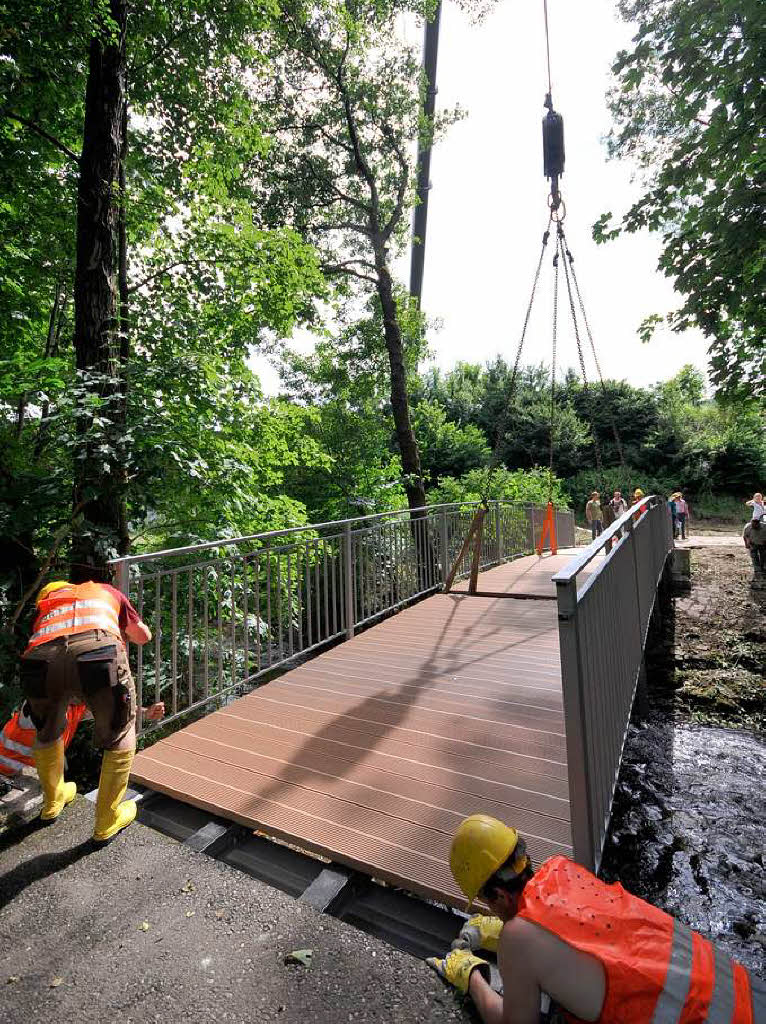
(307, 567)
(317, 592)
(257, 595)
(190, 636)
(157, 638)
(299, 596)
(269, 624)
(174, 642)
(219, 625)
(290, 597)
(335, 566)
(140, 660)
(279, 603)
(325, 589)
(206, 649)
(233, 612)
(348, 572)
(246, 621)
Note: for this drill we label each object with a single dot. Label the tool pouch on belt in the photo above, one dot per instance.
(101, 668)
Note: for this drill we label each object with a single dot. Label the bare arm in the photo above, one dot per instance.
(138, 633)
(488, 1002)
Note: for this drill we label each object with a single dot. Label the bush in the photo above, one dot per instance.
(523, 485)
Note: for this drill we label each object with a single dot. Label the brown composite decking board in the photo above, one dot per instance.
(527, 577)
(371, 753)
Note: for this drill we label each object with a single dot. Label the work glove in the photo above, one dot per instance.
(457, 968)
(479, 932)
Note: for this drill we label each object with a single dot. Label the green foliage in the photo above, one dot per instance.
(447, 449)
(529, 486)
(690, 107)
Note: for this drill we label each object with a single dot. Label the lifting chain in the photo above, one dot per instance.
(500, 436)
(605, 393)
(566, 257)
(553, 365)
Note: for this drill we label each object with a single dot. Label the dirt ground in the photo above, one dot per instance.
(689, 825)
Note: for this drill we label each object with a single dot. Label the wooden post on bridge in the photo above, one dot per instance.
(475, 535)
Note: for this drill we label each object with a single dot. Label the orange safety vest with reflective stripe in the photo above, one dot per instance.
(658, 971)
(75, 608)
(18, 737)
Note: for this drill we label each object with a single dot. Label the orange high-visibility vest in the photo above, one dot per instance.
(75, 608)
(18, 736)
(658, 971)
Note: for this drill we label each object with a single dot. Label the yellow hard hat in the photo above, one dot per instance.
(481, 845)
(49, 587)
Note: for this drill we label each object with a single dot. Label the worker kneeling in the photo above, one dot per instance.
(77, 650)
(596, 950)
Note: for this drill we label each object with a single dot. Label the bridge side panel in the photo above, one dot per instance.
(602, 630)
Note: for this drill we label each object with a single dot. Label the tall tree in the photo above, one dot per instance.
(690, 106)
(347, 97)
(98, 481)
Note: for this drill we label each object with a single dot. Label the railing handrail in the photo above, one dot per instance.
(578, 563)
(226, 542)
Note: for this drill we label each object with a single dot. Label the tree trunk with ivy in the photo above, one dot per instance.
(98, 480)
(400, 402)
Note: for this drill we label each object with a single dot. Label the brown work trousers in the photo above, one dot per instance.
(92, 667)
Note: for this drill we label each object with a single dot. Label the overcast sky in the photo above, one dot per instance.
(487, 208)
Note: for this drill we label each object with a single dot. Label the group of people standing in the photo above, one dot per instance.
(600, 516)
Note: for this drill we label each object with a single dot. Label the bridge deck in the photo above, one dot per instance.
(371, 753)
(525, 577)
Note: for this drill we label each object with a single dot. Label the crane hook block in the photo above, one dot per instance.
(553, 144)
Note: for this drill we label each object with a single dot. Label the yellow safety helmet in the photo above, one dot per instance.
(49, 587)
(482, 845)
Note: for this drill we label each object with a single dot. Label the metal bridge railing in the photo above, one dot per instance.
(227, 612)
(602, 631)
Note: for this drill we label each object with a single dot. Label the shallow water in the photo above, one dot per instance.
(689, 830)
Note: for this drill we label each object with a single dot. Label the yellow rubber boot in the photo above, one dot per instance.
(50, 769)
(111, 815)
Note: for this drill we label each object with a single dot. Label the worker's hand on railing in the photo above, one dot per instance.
(479, 932)
(457, 968)
(155, 712)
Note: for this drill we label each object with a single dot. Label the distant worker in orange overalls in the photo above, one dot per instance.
(77, 651)
(637, 496)
(600, 953)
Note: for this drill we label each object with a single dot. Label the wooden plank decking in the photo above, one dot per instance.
(372, 752)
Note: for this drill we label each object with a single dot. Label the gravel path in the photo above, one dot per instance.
(147, 930)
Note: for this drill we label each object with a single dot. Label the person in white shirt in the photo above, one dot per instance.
(756, 503)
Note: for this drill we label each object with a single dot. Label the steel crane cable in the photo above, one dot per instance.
(553, 365)
(547, 45)
(608, 403)
(495, 460)
(564, 251)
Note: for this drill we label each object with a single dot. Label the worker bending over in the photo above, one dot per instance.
(600, 953)
(77, 650)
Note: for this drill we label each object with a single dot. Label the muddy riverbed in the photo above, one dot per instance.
(689, 825)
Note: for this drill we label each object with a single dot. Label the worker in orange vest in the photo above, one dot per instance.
(77, 650)
(637, 496)
(600, 953)
(18, 735)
